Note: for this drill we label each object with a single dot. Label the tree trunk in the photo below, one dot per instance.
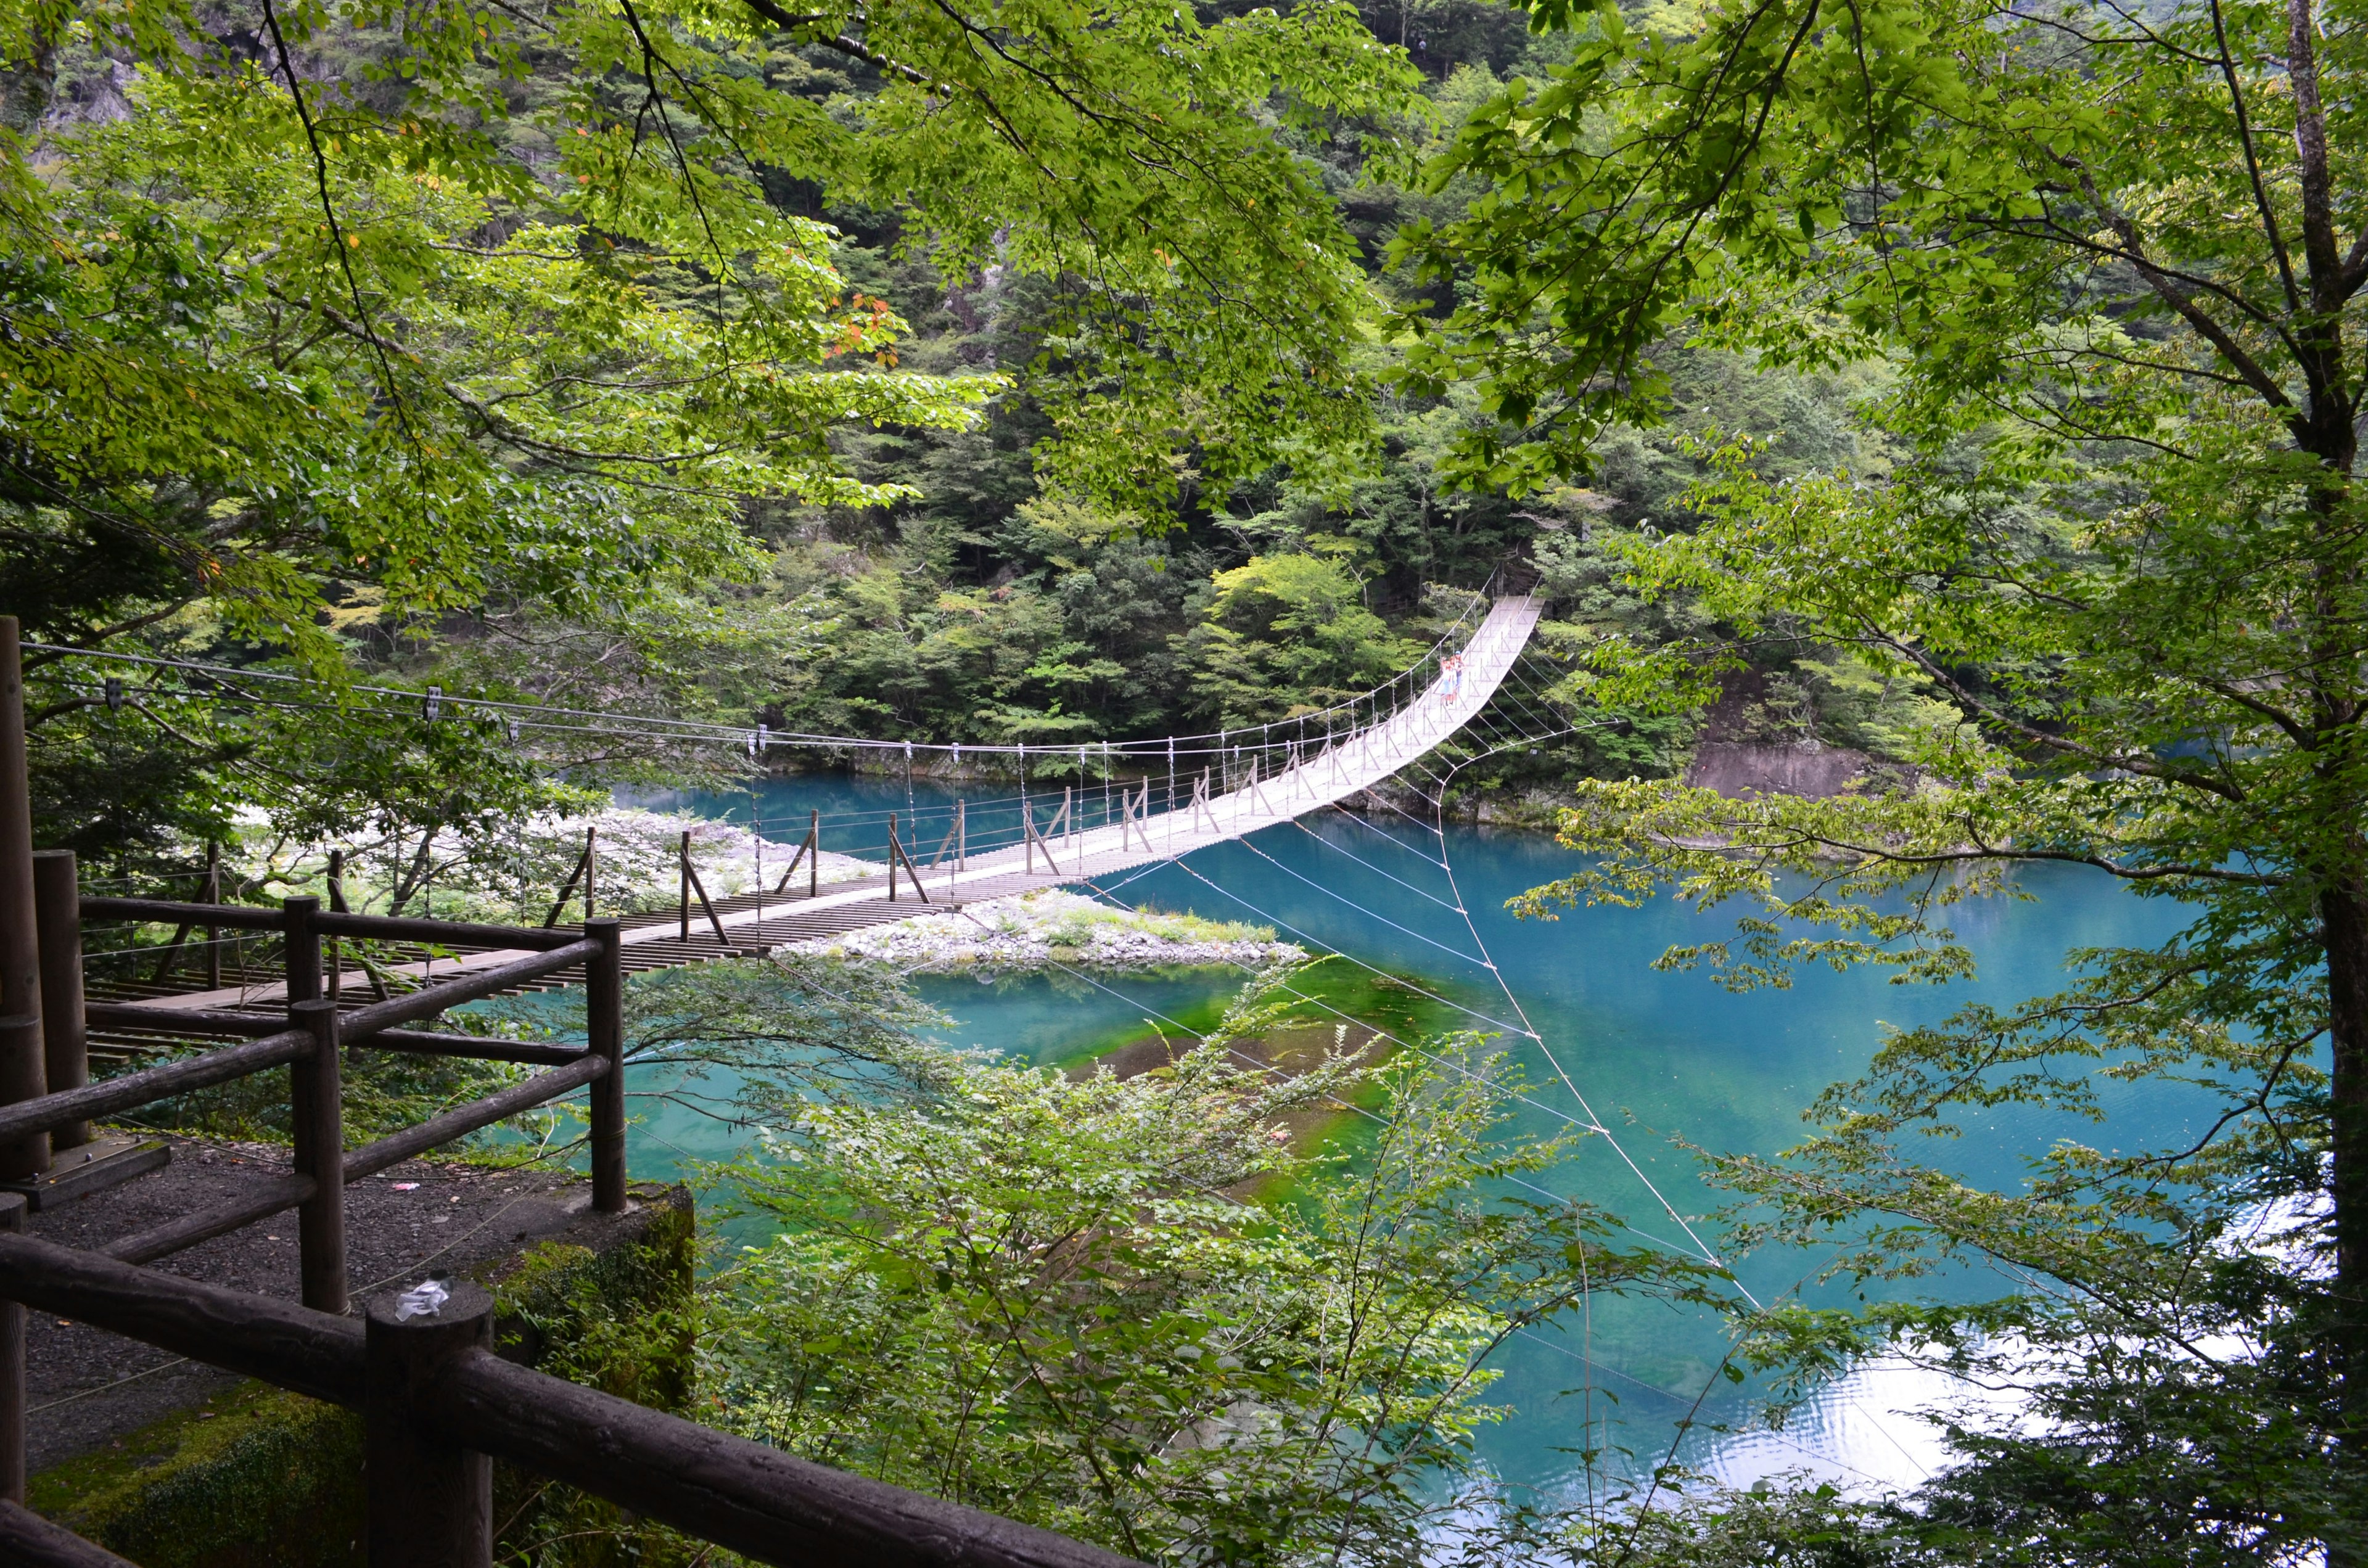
(2343, 908)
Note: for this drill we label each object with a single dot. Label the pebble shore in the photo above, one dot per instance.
(1040, 930)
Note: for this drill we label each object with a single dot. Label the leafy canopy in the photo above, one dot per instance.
(2112, 260)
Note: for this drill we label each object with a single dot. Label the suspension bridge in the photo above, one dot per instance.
(1155, 800)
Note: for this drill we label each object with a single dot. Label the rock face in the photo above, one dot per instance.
(1740, 769)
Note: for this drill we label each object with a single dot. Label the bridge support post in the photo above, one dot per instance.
(431, 1502)
(604, 1018)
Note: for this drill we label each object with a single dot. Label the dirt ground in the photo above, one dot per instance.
(87, 1388)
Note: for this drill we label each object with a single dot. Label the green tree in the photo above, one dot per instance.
(1056, 1298)
(2117, 265)
(1288, 635)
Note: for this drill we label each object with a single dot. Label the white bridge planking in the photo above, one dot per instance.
(1322, 776)
(1353, 763)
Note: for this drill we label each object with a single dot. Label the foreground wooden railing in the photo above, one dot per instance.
(310, 1040)
(437, 1406)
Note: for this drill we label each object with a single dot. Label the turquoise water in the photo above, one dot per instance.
(1661, 1060)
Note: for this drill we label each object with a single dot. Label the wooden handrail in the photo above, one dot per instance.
(283, 1193)
(418, 928)
(331, 921)
(170, 1078)
(256, 1337)
(162, 910)
(741, 1495)
(151, 1084)
(461, 1121)
(428, 1001)
(482, 1048)
(420, 1043)
(273, 1197)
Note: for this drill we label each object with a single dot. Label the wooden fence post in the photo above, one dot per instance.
(316, 1096)
(213, 933)
(336, 956)
(303, 942)
(65, 1043)
(23, 1071)
(604, 1018)
(430, 1503)
(12, 1370)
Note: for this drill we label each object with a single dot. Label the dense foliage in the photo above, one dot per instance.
(2119, 542)
(1053, 1297)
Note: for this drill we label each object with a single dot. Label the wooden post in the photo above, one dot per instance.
(304, 958)
(714, 921)
(213, 933)
(811, 850)
(336, 880)
(682, 875)
(430, 1503)
(23, 1069)
(315, 1095)
(897, 852)
(65, 1045)
(12, 1368)
(604, 1018)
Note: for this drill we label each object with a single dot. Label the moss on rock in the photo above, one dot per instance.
(257, 1479)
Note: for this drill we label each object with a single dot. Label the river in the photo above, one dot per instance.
(1660, 1059)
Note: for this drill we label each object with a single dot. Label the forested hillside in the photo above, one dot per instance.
(939, 556)
(996, 606)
